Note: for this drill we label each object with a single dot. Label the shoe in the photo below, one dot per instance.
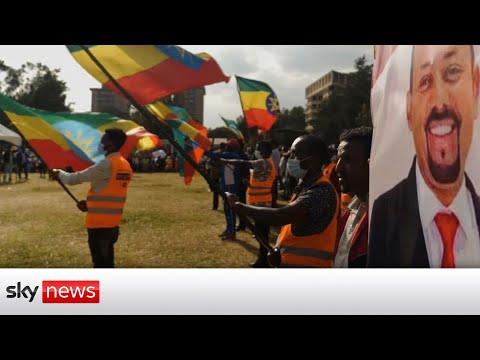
(229, 237)
(223, 233)
(214, 209)
(240, 228)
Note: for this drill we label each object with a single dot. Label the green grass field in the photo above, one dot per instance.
(166, 225)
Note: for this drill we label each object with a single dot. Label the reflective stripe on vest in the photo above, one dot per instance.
(261, 191)
(105, 208)
(317, 250)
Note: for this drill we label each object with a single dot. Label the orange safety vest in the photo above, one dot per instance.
(105, 208)
(261, 191)
(317, 250)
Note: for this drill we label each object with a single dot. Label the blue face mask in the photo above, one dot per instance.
(294, 168)
(101, 149)
(258, 155)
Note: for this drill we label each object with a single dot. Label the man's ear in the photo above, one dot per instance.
(409, 109)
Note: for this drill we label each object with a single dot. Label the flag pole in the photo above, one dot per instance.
(274, 254)
(38, 156)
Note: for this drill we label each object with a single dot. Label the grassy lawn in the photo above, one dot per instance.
(165, 225)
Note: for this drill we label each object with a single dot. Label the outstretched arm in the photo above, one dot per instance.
(294, 213)
(98, 172)
(247, 163)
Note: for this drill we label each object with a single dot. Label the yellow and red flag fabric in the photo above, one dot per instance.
(149, 72)
(71, 139)
(179, 119)
(189, 134)
(259, 103)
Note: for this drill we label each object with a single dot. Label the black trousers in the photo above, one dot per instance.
(263, 230)
(215, 196)
(101, 243)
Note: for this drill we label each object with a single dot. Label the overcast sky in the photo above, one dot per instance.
(288, 69)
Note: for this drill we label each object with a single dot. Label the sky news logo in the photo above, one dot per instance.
(58, 292)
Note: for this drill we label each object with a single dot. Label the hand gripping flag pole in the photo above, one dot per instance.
(274, 256)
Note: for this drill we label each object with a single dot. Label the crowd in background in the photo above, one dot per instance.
(17, 162)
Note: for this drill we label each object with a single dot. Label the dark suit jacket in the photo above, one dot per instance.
(396, 234)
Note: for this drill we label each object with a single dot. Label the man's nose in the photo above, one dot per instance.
(440, 96)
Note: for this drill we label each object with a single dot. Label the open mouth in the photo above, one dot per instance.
(443, 146)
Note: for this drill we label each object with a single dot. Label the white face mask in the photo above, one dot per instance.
(258, 155)
(294, 168)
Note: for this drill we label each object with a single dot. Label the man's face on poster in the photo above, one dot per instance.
(441, 108)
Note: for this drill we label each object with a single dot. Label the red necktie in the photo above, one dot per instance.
(447, 225)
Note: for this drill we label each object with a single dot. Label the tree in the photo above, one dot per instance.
(35, 85)
(293, 119)
(346, 107)
(220, 132)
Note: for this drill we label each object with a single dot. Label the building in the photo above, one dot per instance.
(106, 101)
(319, 91)
(192, 101)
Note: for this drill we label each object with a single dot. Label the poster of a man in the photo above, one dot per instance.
(430, 218)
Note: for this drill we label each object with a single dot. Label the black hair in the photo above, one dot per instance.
(315, 145)
(362, 135)
(265, 147)
(117, 136)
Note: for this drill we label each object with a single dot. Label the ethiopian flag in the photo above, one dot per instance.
(179, 119)
(189, 134)
(259, 103)
(149, 72)
(71, 139)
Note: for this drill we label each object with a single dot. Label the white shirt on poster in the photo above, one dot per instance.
(467, 239)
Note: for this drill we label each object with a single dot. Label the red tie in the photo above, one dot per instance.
(447, 225)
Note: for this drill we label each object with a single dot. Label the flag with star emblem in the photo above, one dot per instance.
(259, 103)
(71, 139)
(149, 72)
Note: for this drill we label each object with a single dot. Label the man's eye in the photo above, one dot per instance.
(453, 73)
(425, 82)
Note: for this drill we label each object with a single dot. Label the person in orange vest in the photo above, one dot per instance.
(259, 192)
(353, 172)
(308, 237)
(106, 197)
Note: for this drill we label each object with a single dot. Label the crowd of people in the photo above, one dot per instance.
(316, 230)
(325, 222)
(17, 161)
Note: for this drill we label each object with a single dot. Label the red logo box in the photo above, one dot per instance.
(70, 292)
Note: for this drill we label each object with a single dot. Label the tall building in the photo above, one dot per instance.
(319, 91)
(106, 101)
(192, 101)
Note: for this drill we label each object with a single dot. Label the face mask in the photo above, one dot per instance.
(258, 155)
(101, 149)
(293, 167)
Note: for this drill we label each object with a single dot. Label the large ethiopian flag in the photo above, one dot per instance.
(71, 139)
(259, 102)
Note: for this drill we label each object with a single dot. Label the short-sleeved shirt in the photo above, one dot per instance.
(320, 202)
